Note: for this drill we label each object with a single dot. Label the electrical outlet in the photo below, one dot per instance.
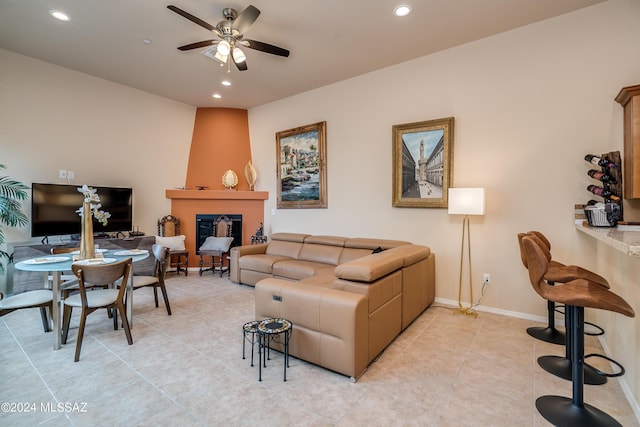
(71, 174)
(62, 174)
(486, 278)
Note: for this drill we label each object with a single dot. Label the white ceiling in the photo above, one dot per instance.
(329, 40)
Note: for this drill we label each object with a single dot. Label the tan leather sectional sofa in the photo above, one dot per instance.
(346, 303)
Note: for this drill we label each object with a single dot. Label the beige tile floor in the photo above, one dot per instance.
(187, 370)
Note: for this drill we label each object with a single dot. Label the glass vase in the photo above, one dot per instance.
(87, 250)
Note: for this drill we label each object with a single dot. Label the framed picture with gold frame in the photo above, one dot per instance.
(302, 167)
(422, 163)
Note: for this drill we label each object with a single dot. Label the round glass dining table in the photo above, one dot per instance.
(53, 266)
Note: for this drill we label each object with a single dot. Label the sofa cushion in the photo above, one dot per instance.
(289, 237)
(412, 253)
(326, 240)
(331, 326)
(349, 254)
(370, 267)
(322, 280)
(365, 243)
(260, 262)
(284, 248)
(379, 292)
(324, 254)
(296, 269)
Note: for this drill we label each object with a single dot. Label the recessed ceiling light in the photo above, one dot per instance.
(402, 10)
(217, 96)
(146, 41)
(59, 15)
(226, 83)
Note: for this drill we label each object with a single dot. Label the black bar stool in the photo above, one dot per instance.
(558, 273)
(575, 295)
(561, 366)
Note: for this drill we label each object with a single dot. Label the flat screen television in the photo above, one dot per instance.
(54, 206)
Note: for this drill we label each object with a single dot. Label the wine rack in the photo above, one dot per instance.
(613, 186)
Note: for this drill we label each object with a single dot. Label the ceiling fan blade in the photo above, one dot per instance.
(241, 66)
(265, 47)
(191, 18)
(197, 45)
(246, 18)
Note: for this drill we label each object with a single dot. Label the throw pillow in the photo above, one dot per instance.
(216, 244)
(174, 243)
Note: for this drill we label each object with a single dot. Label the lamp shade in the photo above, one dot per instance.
(238, 55)
(224, 48)
(466, 201)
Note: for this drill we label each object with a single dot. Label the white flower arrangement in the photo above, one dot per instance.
(91, 196)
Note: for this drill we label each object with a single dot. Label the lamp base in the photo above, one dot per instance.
(465, 312)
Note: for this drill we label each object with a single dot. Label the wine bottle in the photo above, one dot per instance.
(601, 176)
(602, 192)
(599, 161)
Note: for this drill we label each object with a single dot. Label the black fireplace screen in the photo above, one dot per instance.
(204, 228)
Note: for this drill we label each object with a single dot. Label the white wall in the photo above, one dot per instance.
(54, 118)
(528, 105)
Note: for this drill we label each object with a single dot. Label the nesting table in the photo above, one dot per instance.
(268, 330)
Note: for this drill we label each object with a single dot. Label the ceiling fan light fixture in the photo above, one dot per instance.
(238, 55)
(224, 48)
(402, 10)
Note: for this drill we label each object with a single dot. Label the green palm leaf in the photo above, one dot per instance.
(12, 192)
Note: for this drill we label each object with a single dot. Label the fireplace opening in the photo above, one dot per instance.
(204, 228)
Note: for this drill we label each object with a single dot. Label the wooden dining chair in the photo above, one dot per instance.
(42, 299)
(111, 298)
(169, 226)
(69, 282)
(162, 256)
(217, 246)
(66, 279)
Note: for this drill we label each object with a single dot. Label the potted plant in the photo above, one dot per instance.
(12, 193)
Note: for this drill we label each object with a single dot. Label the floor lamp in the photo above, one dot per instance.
(466, 201)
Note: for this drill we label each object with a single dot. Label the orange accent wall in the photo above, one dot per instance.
(220, 142)
(186, 204)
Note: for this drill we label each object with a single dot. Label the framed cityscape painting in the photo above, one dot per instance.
(302, 167)
(422, 163)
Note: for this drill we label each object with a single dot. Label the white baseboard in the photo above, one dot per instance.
(623, 384)
(493, 310)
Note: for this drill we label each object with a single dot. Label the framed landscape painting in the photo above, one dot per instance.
(301, 165)
(422, 163)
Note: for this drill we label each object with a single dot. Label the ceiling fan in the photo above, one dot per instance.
(230, 33)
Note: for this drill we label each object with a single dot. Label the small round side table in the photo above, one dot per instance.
(249, 328)
(271, 330)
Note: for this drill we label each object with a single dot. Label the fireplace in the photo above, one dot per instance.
(204, 228)
(186, 204)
